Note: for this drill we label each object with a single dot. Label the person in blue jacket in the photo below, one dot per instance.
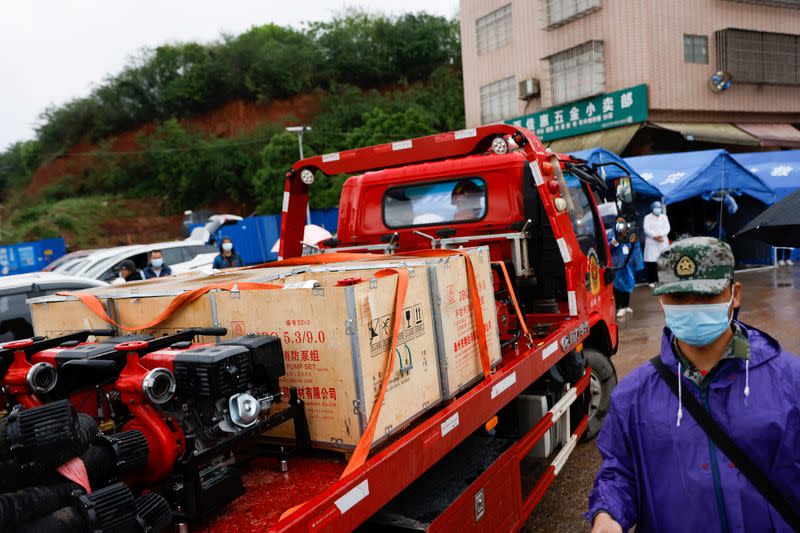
(660, 470)
(227, 258)
(624, 278)
(156, 268)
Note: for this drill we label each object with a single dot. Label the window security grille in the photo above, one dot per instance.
(560, 12)
(494, 30)
(576, 73)
(498, 100)
(759, 57)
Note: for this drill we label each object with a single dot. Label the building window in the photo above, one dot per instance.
(759, 57)
(559, 12)
(494, 30)
(576, 73)
(498, 100)
(695, 49)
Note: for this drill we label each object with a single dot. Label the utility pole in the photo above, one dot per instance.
(299, 130)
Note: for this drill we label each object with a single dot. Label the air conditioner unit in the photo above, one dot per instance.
(528, 89)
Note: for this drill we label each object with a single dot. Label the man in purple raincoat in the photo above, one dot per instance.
(660, 470)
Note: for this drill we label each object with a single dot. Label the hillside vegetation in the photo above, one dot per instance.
(376, 79)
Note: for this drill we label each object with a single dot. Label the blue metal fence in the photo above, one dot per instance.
(25, 257)
(253, 237)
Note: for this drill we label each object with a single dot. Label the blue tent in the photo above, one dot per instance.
(780, 169)
(709, 182)
(610, 172)
(705, 173)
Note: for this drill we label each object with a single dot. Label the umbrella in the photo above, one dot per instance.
(312, 235)
(778, 225)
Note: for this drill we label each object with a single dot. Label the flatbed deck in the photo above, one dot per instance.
(328, 503)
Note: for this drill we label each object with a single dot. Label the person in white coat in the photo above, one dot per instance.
(656, 229)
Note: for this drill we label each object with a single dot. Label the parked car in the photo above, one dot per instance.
(209, 232)
(15, 313)
(71, 262)
(178, 255)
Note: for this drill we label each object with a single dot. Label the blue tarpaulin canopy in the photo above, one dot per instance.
(601, 155)
(705, 173)
(779, 169)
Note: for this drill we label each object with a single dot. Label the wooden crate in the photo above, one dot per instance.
(456, 330)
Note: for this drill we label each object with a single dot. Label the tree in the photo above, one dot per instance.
(380, 127)
(276, 158)
(18, 163)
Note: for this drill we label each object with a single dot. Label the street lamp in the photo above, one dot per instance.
(299, 130)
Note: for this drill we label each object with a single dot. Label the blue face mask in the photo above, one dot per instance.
(698, 324)
(157, 262)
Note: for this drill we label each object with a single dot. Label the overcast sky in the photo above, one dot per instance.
(55, 50)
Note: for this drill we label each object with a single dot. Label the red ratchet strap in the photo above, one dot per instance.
(513, 295)
(96, 306)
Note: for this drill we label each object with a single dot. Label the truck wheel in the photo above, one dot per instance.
(601, 383)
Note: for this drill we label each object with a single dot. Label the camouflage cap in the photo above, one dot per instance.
(702, 265)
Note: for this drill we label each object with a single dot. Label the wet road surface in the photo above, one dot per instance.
(770, 302)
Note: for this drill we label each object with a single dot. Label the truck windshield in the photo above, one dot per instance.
(461, 200)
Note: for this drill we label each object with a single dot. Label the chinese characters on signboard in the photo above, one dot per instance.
(611, 110)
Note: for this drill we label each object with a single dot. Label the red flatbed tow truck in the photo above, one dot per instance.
(483, 460)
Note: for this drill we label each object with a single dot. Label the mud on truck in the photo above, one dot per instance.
(177, 417)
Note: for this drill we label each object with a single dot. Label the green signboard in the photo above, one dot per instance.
(602, 112)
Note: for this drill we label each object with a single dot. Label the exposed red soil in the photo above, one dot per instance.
(232, 119)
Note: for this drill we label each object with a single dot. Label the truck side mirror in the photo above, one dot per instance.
(625, 225)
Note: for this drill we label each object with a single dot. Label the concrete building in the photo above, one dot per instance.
(634, 76)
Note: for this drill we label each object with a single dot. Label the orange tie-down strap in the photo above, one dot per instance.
(94, 304)
(513, 295)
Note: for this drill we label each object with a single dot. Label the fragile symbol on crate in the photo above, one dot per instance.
(409, 318)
